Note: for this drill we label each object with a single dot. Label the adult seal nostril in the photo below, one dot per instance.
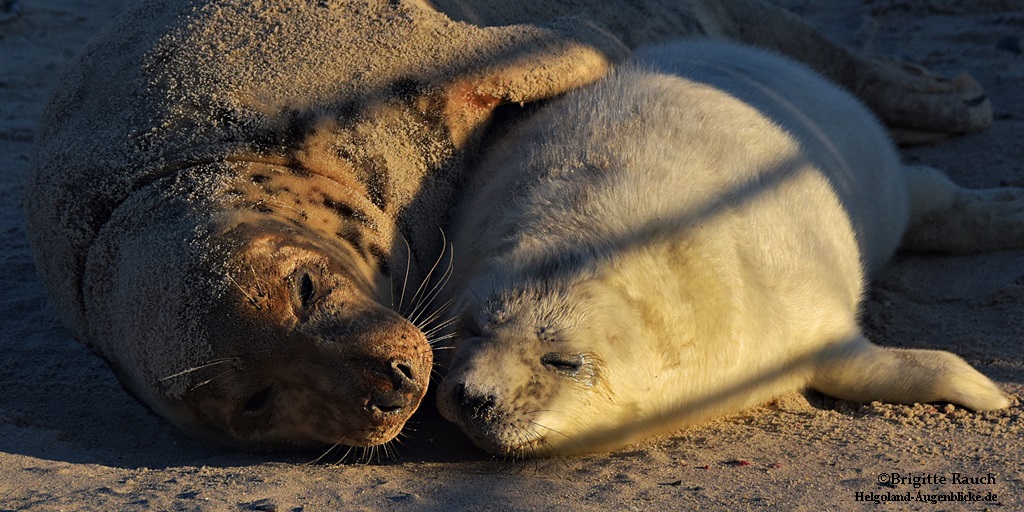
(403, 376)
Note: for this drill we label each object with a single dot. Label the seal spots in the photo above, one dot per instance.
(344, 210)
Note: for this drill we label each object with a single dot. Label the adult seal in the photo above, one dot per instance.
(234, 202)
(228, 197)
(687, 238)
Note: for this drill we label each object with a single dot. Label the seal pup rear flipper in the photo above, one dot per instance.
(860, 371)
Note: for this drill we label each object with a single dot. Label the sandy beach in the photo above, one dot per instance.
(71, 438)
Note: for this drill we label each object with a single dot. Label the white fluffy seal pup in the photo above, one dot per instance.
(687, 238)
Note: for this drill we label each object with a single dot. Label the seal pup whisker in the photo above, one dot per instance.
(529, 439)
(567, 437)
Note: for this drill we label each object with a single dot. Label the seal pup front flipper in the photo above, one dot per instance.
(860, 371)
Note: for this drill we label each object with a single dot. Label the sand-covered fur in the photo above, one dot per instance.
(192, 143)
(221, 191)
(687, 238)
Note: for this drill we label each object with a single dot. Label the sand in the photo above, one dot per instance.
(72, 439)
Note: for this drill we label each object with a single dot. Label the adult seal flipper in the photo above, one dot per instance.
(945, 217)
(862, 372)
(917, 105)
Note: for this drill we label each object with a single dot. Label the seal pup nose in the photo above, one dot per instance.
(474, 407)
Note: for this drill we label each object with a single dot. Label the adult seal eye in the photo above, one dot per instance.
(563, 364)
(304, 289)
(259, 402)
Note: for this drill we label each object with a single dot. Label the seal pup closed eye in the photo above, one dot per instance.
(687, 238)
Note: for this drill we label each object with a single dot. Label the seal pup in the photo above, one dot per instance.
(228, 197)
(687, 238)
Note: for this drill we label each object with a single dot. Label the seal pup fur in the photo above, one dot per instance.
(225, 195)
(688, 238)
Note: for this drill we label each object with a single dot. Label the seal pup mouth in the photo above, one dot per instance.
(491, 425)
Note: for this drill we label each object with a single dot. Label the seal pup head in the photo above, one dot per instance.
(546, 365)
